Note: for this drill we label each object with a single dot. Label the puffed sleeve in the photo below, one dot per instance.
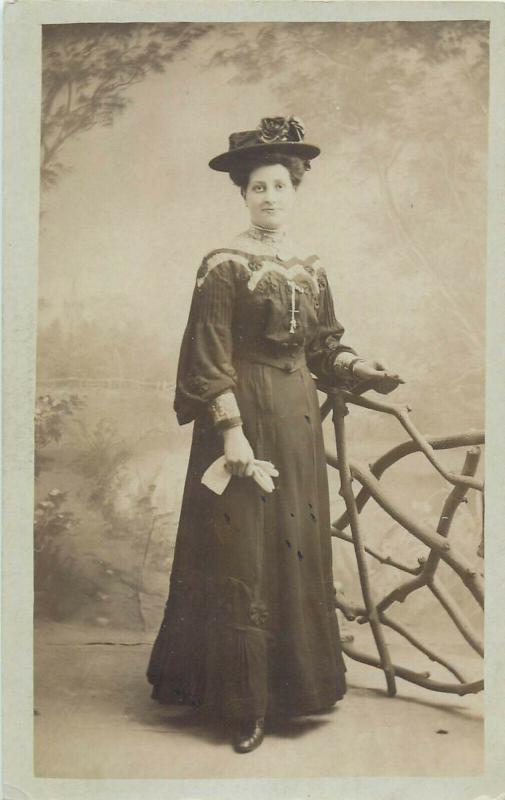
(326, 344)
(205, 369)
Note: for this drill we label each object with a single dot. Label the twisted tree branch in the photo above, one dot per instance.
(419, 678)
(402, 450)
(417, 644)
(339, 412)
(401, 414)
(388, 560)
(462, 624)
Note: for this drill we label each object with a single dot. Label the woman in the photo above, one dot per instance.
(250, 630)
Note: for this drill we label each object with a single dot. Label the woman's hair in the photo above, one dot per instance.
(241, 172)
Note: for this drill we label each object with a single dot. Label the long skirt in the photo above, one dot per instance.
(250, 628)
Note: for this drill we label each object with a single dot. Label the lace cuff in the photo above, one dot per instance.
(225, 412)
(345, 362)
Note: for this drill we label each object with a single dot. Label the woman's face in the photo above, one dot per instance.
(270, 196)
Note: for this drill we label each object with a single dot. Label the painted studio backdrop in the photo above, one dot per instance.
(395, 207)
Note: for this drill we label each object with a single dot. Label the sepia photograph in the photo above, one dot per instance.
(259, 408)
(261, 269)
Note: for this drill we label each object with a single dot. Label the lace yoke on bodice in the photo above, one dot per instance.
(256, 299)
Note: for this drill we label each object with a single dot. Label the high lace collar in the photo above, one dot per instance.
(263, 242)
(273, 237)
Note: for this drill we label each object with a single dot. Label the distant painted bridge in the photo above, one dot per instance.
(107, 383)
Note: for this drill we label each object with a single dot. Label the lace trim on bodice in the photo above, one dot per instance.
(258, 266)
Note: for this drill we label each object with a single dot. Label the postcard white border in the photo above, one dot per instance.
(21, 65)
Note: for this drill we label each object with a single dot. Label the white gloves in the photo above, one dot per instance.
(217, 476)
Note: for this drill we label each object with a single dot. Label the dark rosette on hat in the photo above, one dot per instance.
(280, 129)
(283, 134)
(273, 129)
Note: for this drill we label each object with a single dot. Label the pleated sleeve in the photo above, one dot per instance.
(324, 347)
(205, 369)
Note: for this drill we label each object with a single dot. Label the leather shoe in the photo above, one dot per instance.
(250, 736)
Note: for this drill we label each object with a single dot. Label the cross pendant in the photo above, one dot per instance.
(293, 309)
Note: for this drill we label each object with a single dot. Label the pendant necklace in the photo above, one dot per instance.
(276, 241)
(294, 288)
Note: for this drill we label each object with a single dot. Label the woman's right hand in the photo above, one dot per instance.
(238, 453)
(380, 378)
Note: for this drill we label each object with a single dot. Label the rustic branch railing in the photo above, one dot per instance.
(373, 612)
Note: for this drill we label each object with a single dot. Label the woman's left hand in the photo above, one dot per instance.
(382, 379)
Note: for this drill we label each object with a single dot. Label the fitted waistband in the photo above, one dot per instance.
(288, 358)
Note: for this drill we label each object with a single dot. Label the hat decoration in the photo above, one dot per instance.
(280, 129)
(281, 134)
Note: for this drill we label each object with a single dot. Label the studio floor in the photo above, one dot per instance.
(94, 719)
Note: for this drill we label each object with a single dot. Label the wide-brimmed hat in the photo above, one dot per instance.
(279, 134)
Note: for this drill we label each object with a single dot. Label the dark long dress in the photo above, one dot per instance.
(250, 627)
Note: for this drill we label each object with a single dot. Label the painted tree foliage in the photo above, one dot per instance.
(404, 107)
(400, 111)
(87, 70)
